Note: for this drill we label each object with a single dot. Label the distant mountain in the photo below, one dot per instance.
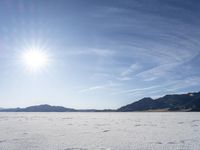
(176, 102)
(49, 108)
(40, 108)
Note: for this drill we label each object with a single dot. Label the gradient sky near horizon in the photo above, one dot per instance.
(104, 53)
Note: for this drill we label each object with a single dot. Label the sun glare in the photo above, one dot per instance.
(35, 59)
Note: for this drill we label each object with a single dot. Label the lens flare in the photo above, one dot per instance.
(35, 59)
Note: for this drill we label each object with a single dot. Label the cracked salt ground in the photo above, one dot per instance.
(99, 131)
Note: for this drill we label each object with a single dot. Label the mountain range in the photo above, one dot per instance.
(175, 102)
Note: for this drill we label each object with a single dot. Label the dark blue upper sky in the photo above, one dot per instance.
(104, 53)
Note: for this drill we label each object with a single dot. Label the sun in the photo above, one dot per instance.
(35, 59)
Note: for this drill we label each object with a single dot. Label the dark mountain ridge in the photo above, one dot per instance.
(175, 102)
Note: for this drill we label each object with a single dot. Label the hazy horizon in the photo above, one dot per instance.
(97, 54)
(39, 104)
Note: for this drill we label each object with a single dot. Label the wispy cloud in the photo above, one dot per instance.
(140, 90)
(130, 70)
(101, 52)
(107, 87)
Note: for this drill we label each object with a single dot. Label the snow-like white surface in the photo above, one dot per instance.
(99, 131)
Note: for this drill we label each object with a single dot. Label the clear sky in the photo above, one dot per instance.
(102, 53)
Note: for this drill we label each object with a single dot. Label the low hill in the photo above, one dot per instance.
(40, 108)
(49, 108)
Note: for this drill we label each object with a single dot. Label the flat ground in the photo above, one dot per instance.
(100, 131)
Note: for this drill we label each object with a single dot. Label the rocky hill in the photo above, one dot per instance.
(175, 102)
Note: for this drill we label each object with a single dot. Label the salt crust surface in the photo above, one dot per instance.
(100, 131)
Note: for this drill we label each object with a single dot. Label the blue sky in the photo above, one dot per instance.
(104, 54)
